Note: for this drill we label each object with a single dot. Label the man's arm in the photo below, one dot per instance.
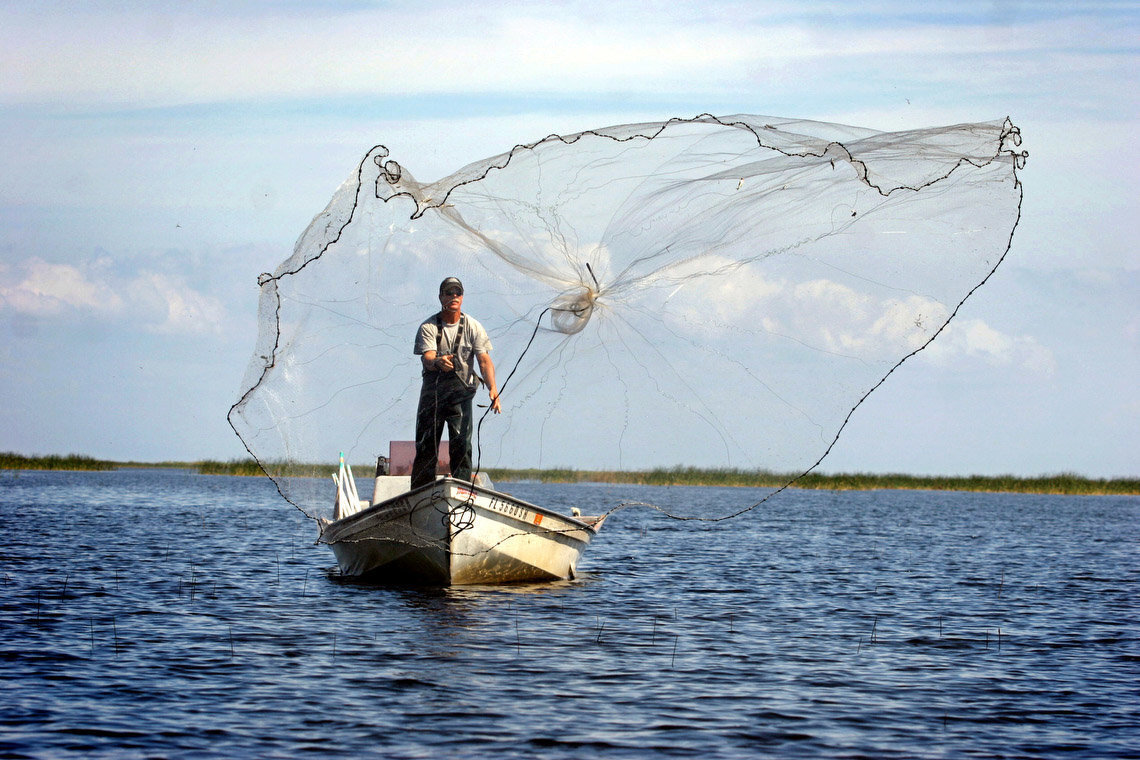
(435, 363)
(487, 370)
(432, 361)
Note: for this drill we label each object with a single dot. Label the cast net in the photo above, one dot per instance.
(716, 292)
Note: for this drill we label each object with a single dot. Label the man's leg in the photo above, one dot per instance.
(459, 426)
(429, 429)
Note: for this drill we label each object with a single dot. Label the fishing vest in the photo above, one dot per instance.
(464, 364)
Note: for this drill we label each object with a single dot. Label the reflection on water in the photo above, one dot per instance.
(164, 613)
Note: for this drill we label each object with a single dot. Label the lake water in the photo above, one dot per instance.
(163, 613)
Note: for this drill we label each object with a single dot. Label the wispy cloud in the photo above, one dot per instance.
(149, 301)
(973, 340)
(145, 55)
(832, 318)
(41, 289)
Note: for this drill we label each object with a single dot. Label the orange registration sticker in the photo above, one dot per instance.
(538, 519)
(463, 492)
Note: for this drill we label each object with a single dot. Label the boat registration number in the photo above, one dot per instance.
(513, 510)
(504, 507)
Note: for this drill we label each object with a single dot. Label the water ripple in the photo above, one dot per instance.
(163, 613)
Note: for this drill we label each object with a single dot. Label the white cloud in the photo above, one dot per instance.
(834, 317)
(909, 322)
(44, 289)
(155, 302)
(973, 339)
(174, 308)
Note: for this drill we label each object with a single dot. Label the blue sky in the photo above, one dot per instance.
(156, 161)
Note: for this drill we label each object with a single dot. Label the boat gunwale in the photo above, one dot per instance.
(344, 523)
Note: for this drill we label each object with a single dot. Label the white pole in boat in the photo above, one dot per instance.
(338, 506)
(349, 483)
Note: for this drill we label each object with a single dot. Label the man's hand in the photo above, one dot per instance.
(488, 369)
(444, 363)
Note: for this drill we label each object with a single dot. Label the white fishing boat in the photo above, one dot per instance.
(451, 532)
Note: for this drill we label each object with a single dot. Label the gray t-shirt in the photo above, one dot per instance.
(473, 341)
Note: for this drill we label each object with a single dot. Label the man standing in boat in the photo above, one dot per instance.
(450, 344)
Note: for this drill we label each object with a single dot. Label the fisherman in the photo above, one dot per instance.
(449, 345)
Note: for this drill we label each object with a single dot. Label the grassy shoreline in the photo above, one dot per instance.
(11, 461)
(1063, 483)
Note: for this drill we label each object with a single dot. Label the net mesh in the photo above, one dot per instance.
(709, 292)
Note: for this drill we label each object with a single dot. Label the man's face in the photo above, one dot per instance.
(451, 299)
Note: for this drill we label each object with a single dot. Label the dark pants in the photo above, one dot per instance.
(444, 399)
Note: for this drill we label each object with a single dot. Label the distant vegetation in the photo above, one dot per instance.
(1064, 483)
(251, 467)
(232, 467)
(12, 461)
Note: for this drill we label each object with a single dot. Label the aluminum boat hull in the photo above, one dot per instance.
(451, 532)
